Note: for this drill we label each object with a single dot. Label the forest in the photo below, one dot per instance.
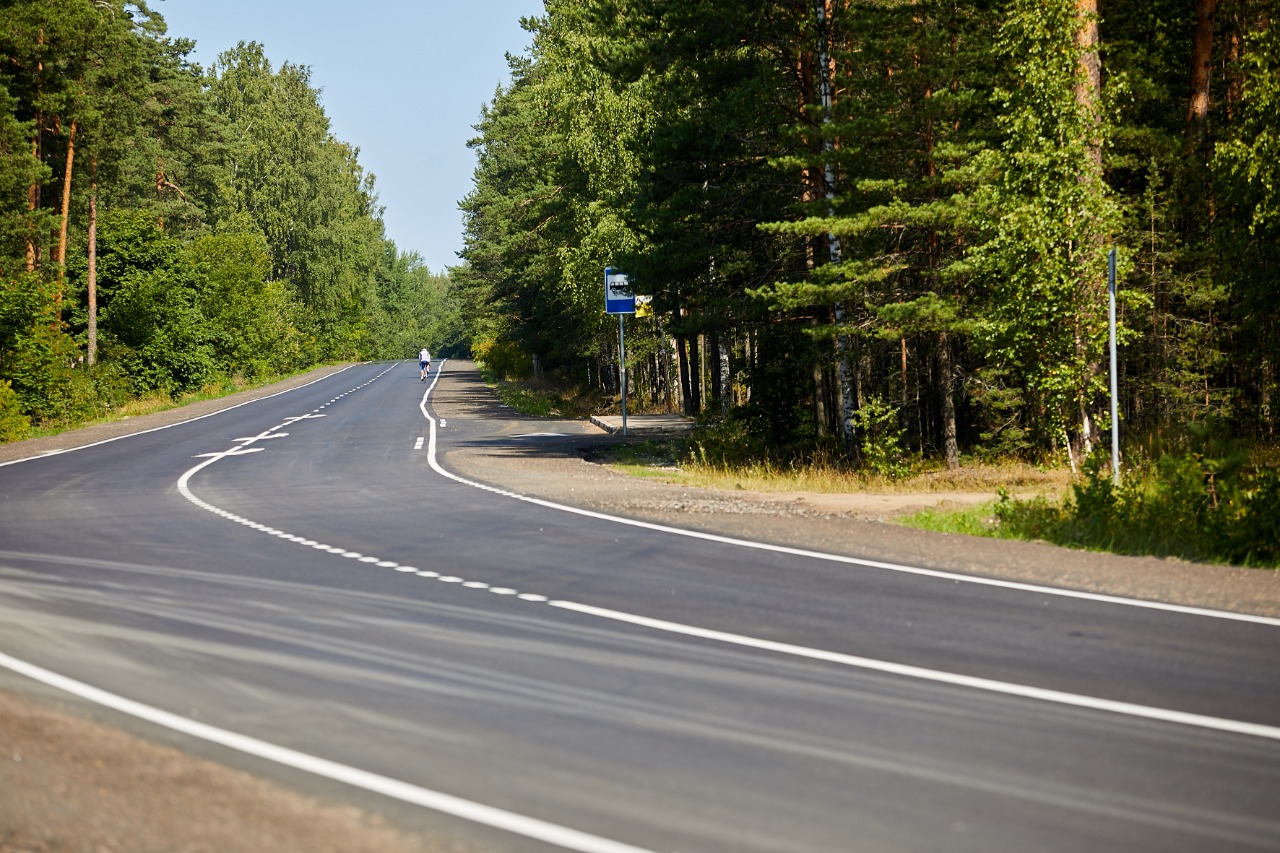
(166, 228)
(879, 229)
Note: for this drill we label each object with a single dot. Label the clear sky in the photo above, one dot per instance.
(402, 80)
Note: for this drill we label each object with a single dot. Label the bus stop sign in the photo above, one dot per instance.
(618, 298)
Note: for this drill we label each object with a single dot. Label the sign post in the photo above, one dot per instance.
(619, 299)
(1115, 380)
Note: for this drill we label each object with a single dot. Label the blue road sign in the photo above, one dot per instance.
(618, 298)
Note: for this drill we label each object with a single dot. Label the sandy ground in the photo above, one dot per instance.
(70, 781)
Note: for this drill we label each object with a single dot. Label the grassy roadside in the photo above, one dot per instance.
(672, 460)
(154, 403)
(545, 399)
(1210, 501)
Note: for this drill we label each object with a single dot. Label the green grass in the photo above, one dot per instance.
(154, 403)
(979, 520)
(543, 399)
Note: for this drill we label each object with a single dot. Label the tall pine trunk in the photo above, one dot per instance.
(1201, 61)
(33, 200)
(950, 445)
(682, 357)
(844, 372)
(1088, 94)
(92, 274)
(61, 257)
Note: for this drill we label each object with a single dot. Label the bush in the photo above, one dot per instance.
(1190, 505)
(504, 359)
(880, 439)
(14, 424)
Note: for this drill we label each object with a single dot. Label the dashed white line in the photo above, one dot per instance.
(1006, 688)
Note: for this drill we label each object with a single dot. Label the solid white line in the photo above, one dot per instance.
(937, 676)
(989, 685)
(569, 839)
(170, 426)
(836, 558)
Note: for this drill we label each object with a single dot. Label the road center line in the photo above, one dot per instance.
(569, 839)
(175, 424)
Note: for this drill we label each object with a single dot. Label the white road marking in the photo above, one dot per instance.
(417, 445)
(835, 558)
(239, 451)
(56, 452)
(560, 836)
(986, 684)
(989, 685)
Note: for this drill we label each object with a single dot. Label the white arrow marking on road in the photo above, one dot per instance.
(264, 437)
(238, 451)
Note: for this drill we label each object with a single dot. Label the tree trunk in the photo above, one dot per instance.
(92, 274)
(66, 204)
(33, 192)
(695, 375)
(820, 416)
(1201, 61)
(666, 345)
(61, 256)
(1089, 85)
(33, 199)
(905, 396)
(682, 358)
(713, 363)
(843, 371)
(726, 374)
(950, 446)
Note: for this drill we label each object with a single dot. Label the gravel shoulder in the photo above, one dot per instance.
(71, 781)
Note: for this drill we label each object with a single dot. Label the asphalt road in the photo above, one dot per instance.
(298, 586)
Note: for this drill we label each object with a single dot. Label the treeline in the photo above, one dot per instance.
(165, 227)
(884, 223)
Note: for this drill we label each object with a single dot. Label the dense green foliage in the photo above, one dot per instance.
(1190, 504)
(164, 227)
(877, 228)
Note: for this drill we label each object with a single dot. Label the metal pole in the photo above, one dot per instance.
(1115, 380)
(622, 372)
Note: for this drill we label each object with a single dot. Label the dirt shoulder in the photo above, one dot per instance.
(70, 782)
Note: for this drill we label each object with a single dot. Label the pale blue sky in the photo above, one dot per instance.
(403, 80)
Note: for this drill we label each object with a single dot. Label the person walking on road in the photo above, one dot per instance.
(424, 364)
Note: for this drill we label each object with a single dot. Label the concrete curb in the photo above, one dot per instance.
(645, 424)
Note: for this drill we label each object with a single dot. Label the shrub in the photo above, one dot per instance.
(14, 424)
(504, 359)
(1190, 504)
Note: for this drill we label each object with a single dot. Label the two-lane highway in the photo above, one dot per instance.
(304, 580)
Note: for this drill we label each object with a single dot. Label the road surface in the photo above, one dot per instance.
(302, 586)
